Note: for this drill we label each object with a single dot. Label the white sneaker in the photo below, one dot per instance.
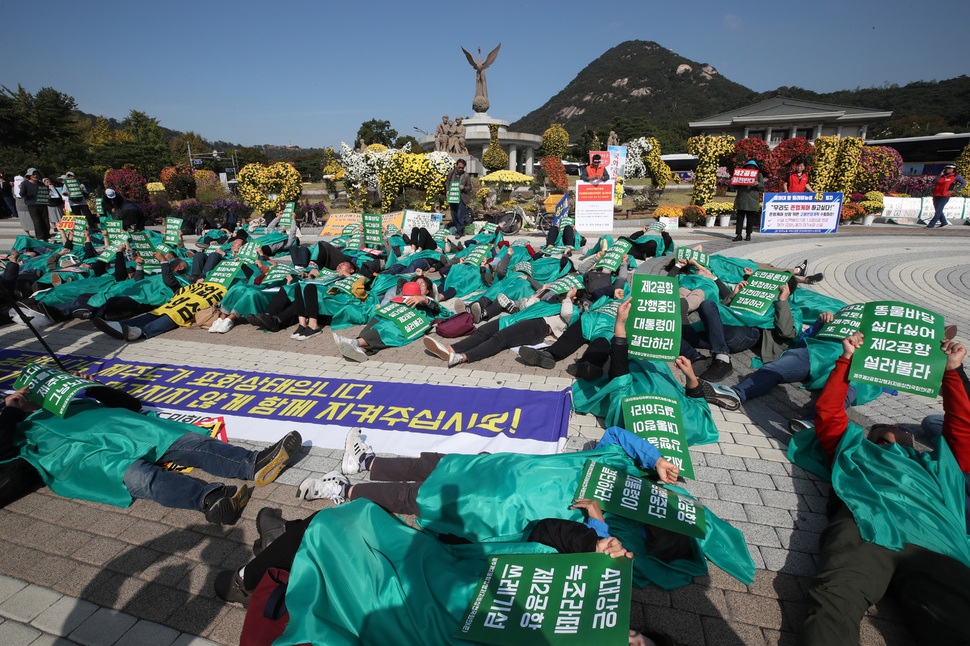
(454, 359)
(227, 325)
(214, 328)
(349, 348)
(437, 349)
(355, 449)
(132, 333)
(331, 486)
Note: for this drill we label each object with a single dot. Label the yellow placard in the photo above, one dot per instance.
(182, 307)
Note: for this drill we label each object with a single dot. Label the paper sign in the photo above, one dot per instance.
(613, 258)
(286, 217)
(688, 254)
(225, 272)
(594, 206)
(373, 234)
(454, 192)
(846, 322)
(659, 420)
(142, 244)
(53, 389)
(411, 324)
(761, 291)
(566, 283)
(654, 326)
(173, 227)
(744, 176)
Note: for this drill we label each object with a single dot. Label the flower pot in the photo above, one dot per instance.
(710, 220)
(869, 219)
(690, 225)
(726, 220)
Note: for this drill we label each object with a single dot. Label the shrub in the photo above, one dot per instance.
(157, 210)
(915, 185)
(128, 182)
(719, 208)
(190, 209)
(178, 181)
(709, 151)
(880, 168)
(555, 172)
(494, 158)
(555, 140)
(694, 213)
(208, 188)
(241, 209)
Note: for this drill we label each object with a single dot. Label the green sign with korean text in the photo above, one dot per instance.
(411, 324)
(373, 230)
(551, 599)
(173, 227)
(478, 255)
(566, 283)
(613, 258)
(654, 325)
(687, 254)
(73, 188)
(632, 497)
(142, 244)
(51, 388)
(286, 217)
(901, 348)
(225, 272)
(760, 292)
(249, 252)
(659, 420)
(454, 192)
(846, 322)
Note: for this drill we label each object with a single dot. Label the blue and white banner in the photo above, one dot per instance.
(402, 419)
(801, 213)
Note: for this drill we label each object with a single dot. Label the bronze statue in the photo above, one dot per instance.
(442, 134)
(480, 102)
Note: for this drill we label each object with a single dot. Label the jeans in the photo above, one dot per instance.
(399, 268)
(793, 365)
(144, 479)
(719, 338)
(633, 445)
(939, 203)
(152, 324)
(458, 218)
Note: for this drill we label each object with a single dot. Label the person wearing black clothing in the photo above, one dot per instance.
(37, 196)
(131, 216)
(8, 201)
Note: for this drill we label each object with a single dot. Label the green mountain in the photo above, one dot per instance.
(638, 80)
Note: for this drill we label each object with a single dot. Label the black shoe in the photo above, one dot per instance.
(585, 371)
(537, 357)
(719, 370)
(82, 313)
(272, 460)
(747, 238)
(802, 268)
(265, 321)
(944, 224)
(814, 278)
(720, 395)
(229, 587)
(736, 239)
(309, 332)
(270, 526)
(224, 506)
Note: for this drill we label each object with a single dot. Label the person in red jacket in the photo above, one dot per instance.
(798, 179)
(946, 185)
(897, 491)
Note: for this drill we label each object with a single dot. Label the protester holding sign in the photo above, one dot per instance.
(901, 517)
(747, 203)
(105, 451)
(458, 183)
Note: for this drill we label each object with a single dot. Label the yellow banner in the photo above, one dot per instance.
(337, 221)
(182, 307)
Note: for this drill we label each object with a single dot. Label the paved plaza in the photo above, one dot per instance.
(74, 572)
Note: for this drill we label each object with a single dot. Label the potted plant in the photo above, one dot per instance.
(695, 215)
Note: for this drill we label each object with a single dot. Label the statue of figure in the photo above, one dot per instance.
(363, 145)
(442, 134)
(480, 102)
(456, 141)
(612, 140)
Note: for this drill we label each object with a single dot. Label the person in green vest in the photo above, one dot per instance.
(104, 450)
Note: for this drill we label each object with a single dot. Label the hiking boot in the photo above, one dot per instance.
(437, 349)
(356, 450)
(224, 506)
(721, 396)
(537, 357)
(332, 486)
(229, 587)
(719, 370)
(270, 526)
(507, 304)
(585, 370)
(273, 459)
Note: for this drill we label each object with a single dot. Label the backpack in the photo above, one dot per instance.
(460, 324)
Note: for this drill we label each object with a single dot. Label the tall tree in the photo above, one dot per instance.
(377, 132)
(179, 146)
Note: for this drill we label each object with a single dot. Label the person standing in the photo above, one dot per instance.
(6, 192)
(747, 203)
(459, 202)
(946, 185)
(55, 203)
(798, 180)
(22, 213)
(595, 172)
(37, 196)
(77, 195)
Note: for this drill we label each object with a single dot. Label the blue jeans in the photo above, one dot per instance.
(793, 365)
(938, 204)
(719, 338)
(398, 269)
(635, 446)
(145, 479)
(152, 324)
(458, 217)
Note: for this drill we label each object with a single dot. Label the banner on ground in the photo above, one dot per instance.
(901, 348)
(182, 307)
(659, 420)
(398, 418)
(551, 599)
(760, 292)
(594, 206)
(49, 387)
(846, 322)
(632, 497)
(337, 222)
(654, 326)
(429, 221)
(801, 213)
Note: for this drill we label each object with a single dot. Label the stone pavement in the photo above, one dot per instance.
(84, 573)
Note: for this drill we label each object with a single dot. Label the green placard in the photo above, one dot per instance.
(350, 229)
(53, 389)
(760, 292)
(278, 273)
(80, 227)
(553, 251)
(901, 349)
(43, 196)
(523, 267)
(478, 255)
(373, 230)
(656, 228)
(567, 221)
(846, 322)
(73, 188)
(142, 244)
(411, 324)
(489, 227)
(454, 192)
(286, 217)
(564, 284)
(173, 227)
(654, 326)
(249, 252)
(225, 272)
(551, 599)
(613, 257)
(688, 254)
(658, 420)
(439, 237)
(631, 496)
(343, 285)
(355, 241)
(163, 248)
(114, 234)
(99, 206)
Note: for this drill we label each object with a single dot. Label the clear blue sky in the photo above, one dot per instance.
(309, 72)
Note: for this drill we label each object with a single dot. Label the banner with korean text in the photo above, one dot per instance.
(398, 418)
(801, 213)
(594, 206)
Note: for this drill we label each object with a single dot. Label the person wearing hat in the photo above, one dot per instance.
(747, 203)
(946, 185)
(37, 196)
(460, 209)
(595, 172)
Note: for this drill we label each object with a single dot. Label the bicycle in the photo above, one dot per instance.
(510, 222)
